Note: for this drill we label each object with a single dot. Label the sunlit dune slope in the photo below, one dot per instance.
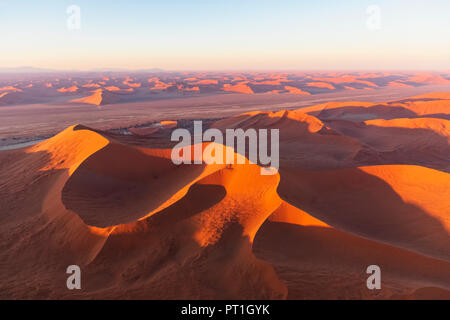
(96, 98)
(93, 188)
(103, 97)
(304, 140)
(436, 105)
(205, 238)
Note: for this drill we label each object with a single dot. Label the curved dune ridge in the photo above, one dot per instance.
(142, 227)
(147, 87)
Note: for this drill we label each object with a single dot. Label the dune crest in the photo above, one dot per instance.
(96, 98)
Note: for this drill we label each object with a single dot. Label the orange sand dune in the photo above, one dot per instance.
(316, 260)
(141, 227)
(83, 221)
(321, 85)
(398, 84)
(205, 81)
(10, 89)
(132, 85)
(241, 88)
(404, 206)
(114, 89)
(439, 126)
(169, 123)
(159, 85)
(102, 97)
(294, 90)
(431, 105)
(273, 92)
(70, 89)
(325, 263)
(428, 78)
(304, 140)
(91, 85)
(421, 141)
(344, 79)
(95, 99)
(433, 96)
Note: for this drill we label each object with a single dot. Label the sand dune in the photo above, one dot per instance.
(399, 84)
(103, 97)
(95, 99)
(356, 187)
(421, 141)
(161, 85)
(321, 85)
(293, 90)
(430, 105)
(240, 88)
(304, 140)
(401, 205)
(430, 78)
(70, 89)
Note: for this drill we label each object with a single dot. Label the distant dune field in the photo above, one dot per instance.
(37, 106)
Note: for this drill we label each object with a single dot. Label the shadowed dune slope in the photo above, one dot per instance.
(404, 206)
(420, 141)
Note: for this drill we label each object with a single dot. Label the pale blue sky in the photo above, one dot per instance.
(231, 34)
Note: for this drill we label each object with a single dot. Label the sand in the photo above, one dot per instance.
(360, 184)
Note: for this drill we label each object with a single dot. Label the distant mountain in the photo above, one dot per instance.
(27, 69)
(33, 70)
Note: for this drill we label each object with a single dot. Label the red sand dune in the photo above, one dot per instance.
(205, 82)
(398, 84)
(115, 89)
(241, 88)
(96, 98)
(274, 92)
(70, 89)
(132, 85)
(428, 78)
(293, 90)
(344, 79)
(10, 89)
(91, 85)
(195, 89)
(141, 227)
(430, 105)
(159, 85)
(321, 85)
(408, 199)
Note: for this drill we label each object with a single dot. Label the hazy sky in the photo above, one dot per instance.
(227, 34)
